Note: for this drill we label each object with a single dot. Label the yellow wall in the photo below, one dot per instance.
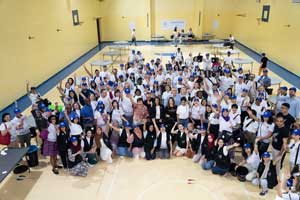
(187, 10)
(116, 15)
(36, 60)
(279, 42)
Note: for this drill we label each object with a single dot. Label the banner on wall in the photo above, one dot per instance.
(170, 24)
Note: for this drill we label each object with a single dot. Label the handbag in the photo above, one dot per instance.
(189, 153)
(295, 169)
(5, 139)
(44, 134)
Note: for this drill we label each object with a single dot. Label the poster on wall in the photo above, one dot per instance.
(132, 25)
(170, 24)
(75, 17)
(215, 24)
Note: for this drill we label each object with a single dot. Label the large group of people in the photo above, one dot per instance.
(194, 106)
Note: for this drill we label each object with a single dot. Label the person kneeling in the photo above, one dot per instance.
(75, 161)
(222, 159)
(89, 147)
(266, 173)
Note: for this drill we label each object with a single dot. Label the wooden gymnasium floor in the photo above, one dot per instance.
(132, 179)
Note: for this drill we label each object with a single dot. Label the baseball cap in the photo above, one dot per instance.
(127, 91)
(266, 155)
(73, 139)
(267, 114)
(247, 146)
(17, 111)
(296, 132)
(62, 124)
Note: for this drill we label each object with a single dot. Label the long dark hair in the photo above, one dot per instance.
(75, 95)
(3, 117)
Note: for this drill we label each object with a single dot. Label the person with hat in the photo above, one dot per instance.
(88, 146)
(264, 132)
(287, 186)
(294, 102)
(50, 143)
(282, 97)
(32, 93)
(239, 85)
(294, 147)
(266, 176)
(163, 143)
(84, 93)
(263, 63)
(225, 81)
(77, 166)
(19, 123)
(259, 106)
(75, 128)
(63, 143)
(246, 169)
(127, 105)
(264, 80)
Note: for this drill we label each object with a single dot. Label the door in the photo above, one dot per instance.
(98, 21)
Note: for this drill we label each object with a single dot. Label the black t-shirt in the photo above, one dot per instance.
(289, 120)
(264, 61)
(278, 135)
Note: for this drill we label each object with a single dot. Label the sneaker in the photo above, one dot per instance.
(55, 171)
(59, 166)
(263, 193)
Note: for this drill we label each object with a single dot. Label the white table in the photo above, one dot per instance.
(121, 42)
(114, 55)
(216, 41)
(233, 52)
(243, 61)
(101, 63)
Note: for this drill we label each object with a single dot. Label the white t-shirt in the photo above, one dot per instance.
(75, 129)
(239, 88)
(52, 133)
(225, 125)
(163, 144)
(250, 125)
(226, 82)
(9, 126)
(33, 98)
(228, 60)
(116, 115)
(16, 122)
(183, 111)
(290, 196)
(253, 161)
(196, 112)
(99, 119)
(264, 129)
(293, 152)
(213, 119)
(126, 106)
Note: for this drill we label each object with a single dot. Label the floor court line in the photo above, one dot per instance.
(107, 196)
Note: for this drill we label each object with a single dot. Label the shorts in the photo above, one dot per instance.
(181, 150)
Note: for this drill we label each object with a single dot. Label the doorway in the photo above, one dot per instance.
(98, 22)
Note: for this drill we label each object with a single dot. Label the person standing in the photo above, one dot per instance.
(133, 37)
(279, 140)
(263, 63)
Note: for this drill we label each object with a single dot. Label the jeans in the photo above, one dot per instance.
(218, 170)
(184, 122)
(164, 154)
(123, 151)
(208, 164)
(129, 118)
(263, 183)
(149, 155)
